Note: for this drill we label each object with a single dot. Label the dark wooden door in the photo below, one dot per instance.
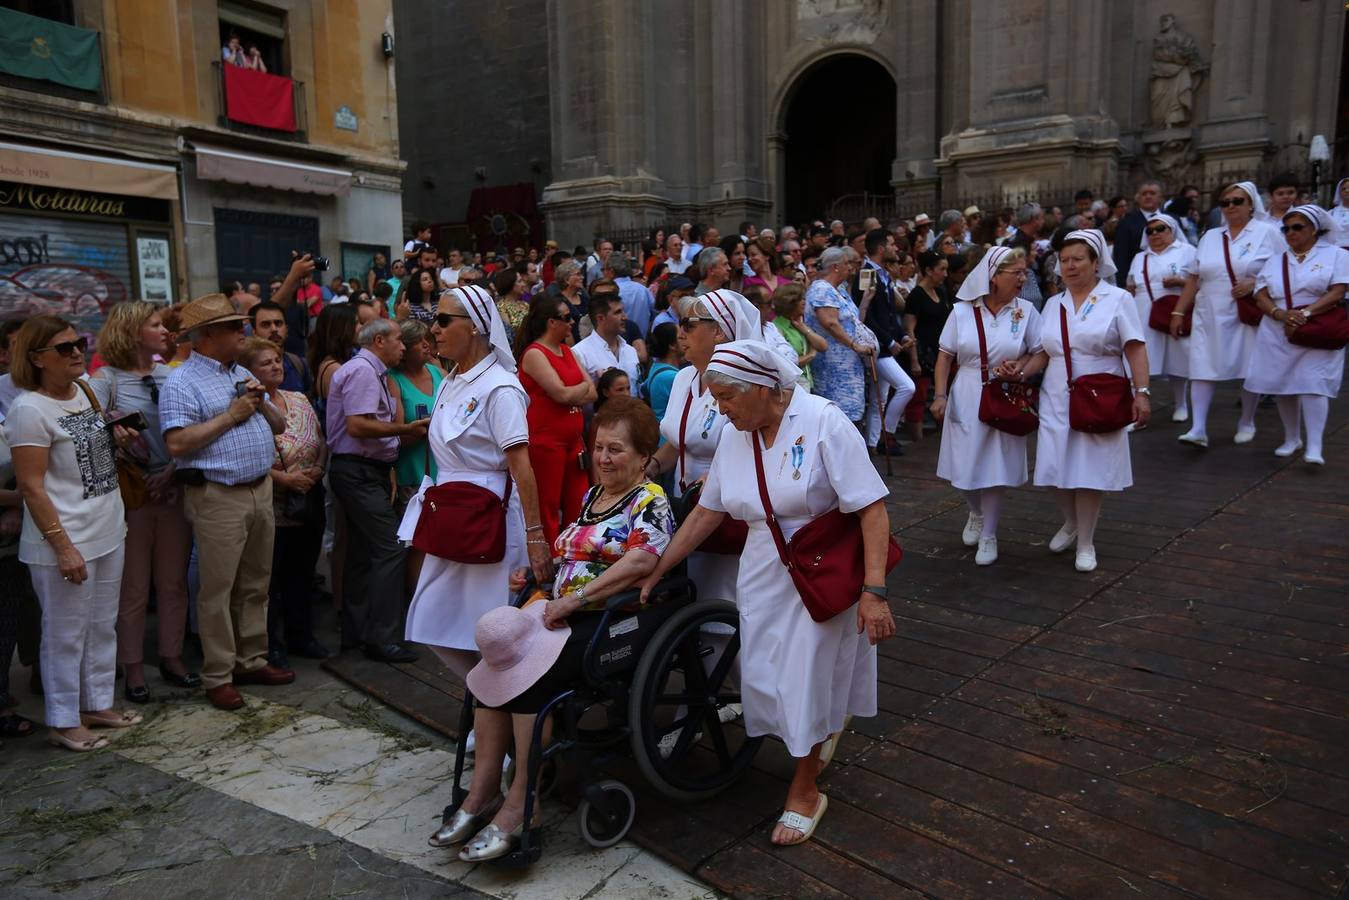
(254, 246)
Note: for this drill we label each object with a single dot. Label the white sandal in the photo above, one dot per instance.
(831, 744)
(804, 824)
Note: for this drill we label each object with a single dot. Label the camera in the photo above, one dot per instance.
(320, 263)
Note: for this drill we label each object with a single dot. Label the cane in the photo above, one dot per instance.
(880, 411)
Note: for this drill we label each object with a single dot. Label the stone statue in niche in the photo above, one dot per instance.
(1177, 67)
(840, 20)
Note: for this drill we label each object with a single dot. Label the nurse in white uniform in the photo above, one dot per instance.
(1303, 379)
(1103, 332)
(1339, 212)
(1161, 271)
(1226, 263)
(979, 460)
(800, 678)
(478, 434)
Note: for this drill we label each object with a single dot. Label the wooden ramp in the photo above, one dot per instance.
(1173, 724)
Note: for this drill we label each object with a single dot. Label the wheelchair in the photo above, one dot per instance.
(645, 671)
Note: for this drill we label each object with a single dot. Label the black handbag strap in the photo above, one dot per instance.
(769, 516)
(1067, 351)
(983, 344)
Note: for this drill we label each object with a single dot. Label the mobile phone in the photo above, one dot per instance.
(420, 411)
(240, 388)
(133, 420)
(866, 280)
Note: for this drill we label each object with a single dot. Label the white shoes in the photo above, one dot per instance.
(1086, 559)
(1062, 539)
(974, 525)
(1288, 448)
(988, 552)
(1191, 437)
(1314, 459)
(1244, 436)
(1180, 414)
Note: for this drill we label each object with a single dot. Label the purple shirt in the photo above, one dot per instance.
(358, 389)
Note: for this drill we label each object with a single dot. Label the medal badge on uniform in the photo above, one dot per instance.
(1017, 315)
(708, 420)
(467, 410)
(1091, 304)
(798, 457)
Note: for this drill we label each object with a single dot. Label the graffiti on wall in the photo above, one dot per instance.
(76, 270)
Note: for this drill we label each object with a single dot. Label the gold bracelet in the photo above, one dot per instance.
(55, 529)
(538, 527)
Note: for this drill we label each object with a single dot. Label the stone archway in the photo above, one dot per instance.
(837, 133)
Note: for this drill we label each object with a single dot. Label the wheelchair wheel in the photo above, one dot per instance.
(606, 812)
(676, 707)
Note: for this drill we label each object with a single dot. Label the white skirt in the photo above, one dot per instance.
(1282, 368)
(1220, 346)
(1167, 355)
(1070, 459)
(973, 455)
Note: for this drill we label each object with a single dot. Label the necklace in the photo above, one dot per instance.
(1301, 256)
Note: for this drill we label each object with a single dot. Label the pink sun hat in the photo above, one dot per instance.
(516, 651)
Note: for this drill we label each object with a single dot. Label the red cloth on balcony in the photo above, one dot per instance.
(257, 98)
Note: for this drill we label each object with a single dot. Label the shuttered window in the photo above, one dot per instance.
(66, 267)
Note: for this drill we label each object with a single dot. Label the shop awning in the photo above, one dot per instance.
(86, 172)
(218, 164)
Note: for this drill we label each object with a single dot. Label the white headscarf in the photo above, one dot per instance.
(739, 319)
(1251, 191)
(482, 312)
(1093, 237)
(1170, 223)
(1339, 184)
(977, 283)
(1321, 220)
(754, 362)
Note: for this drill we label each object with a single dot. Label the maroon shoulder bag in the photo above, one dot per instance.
(1099, 403)
(1159, 313)
(825, 557)
(1008, 406)
(1247, 309)
(1327, 330)
(463, 522)
(729, 537)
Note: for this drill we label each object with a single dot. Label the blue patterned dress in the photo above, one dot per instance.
(838, 371)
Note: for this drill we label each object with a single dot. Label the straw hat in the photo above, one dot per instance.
(212, 309)
(516, 651)
(922, 219)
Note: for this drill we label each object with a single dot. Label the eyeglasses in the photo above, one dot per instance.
(689, 321)
(152, 386)
(1159, 229)
(1296, 226)
(67, 348)
(445, 320)
(1018, 274)
(1232, 201)
(561, 317)
(236, 325)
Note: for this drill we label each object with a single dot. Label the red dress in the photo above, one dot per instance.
(556, 439)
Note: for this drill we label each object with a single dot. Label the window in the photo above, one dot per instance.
(255, 26)
(57, 10)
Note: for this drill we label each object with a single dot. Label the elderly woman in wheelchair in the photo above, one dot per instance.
(533, 654)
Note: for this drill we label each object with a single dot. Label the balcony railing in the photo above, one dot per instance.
(257, 103)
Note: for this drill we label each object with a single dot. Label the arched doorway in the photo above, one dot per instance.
(839, 134)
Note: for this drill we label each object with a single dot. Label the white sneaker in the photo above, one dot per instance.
(1180, 414)
(470, 742)
(973, 526)
(730, 712)
(1314, 459)
(1062, 539)
(988, 552)
(1086, 559)
(1191, 437)
(1244, 436)
(1288, 448)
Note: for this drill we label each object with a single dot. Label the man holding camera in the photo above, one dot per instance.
(220, 430)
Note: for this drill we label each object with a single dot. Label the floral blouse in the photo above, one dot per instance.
(642, 520)
(299, 446)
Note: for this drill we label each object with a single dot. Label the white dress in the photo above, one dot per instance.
(1220, 346)
(974, 455)
(1283, 368)
(476, 418)
(713, 573)
(799, 677)
(1097, 333)
(1167, 355)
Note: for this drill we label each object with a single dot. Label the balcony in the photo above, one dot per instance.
(50, 57)
(259, 103)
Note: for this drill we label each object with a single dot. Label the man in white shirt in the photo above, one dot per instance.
(604, 348)
(1282, 197)
(675, 263)
(449, 276)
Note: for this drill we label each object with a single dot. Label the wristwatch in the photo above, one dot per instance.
(1143, 390)
(879, 590)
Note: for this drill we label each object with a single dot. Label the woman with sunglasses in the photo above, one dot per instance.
(1160, 271)
(1303, 380)
(73, 532)
(557, 387)
(1226, 264)
(159, 538)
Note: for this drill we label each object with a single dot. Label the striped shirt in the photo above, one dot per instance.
(201, 389)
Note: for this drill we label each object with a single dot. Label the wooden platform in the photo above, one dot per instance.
(1173, 724)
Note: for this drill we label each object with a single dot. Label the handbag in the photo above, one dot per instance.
(305, 508)
(729, 537)
(130, 475)
(1099, 403)
(825, 557)
(1247, 310)
(1008, 406)
(1159, 314)
(1327, 330)
(463, 522)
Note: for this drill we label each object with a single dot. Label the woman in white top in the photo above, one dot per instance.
(478, 434)
(1160, 271)
(1103, 333)
(1339, 211)
(1303, 379)
(1226, 263)
(73, 532)
(800, 678)
(980, 461)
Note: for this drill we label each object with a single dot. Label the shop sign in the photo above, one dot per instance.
(17, 196)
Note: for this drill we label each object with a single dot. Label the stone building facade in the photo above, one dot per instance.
(164, 174)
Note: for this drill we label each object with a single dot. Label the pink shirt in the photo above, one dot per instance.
(359, 389)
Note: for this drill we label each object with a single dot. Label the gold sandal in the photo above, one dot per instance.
(125, 719)
(56, 739)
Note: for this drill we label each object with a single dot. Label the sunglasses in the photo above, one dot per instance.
(1296, 226)
(67, 348)
(688, 322)
(1232, 201)
(445, 320)
(562, 317)
(1159, 229)
(152, 386)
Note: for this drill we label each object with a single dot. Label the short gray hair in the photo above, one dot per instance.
(832, 256)
(619, 265)
(948, 218)
(709, 257)
(373, 329)
(566, 270)
(413, 331)
(712, 376)
(1027, 213)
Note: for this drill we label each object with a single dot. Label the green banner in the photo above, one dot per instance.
(33, 47)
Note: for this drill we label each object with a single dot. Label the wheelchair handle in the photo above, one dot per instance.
(667, 585)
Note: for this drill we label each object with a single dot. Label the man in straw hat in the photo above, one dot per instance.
(220, 428)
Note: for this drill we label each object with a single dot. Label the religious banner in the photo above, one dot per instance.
(38, 48)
